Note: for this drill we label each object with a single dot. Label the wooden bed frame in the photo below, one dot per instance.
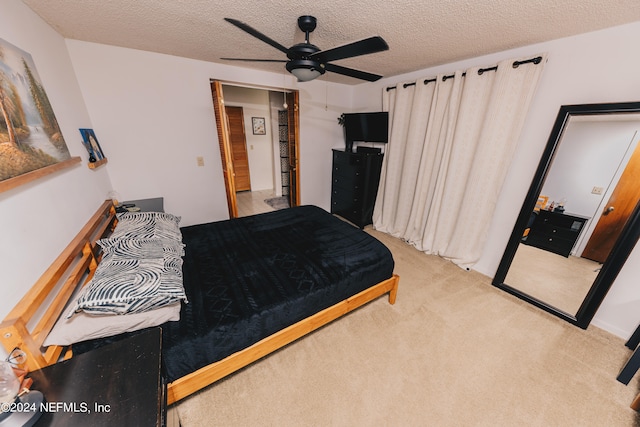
(75, 266)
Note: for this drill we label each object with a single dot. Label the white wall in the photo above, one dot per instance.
(39, 219)
(588, 156)
(591, 68)
(153, 115)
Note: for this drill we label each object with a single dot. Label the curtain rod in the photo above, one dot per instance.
(516, 64)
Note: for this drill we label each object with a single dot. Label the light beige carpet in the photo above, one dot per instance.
(559, 281)
(452, 351)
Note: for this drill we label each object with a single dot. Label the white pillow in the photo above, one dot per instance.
(83, 326)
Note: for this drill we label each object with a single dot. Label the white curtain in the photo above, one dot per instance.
(450, 144)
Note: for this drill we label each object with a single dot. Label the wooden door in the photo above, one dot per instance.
(293, 116)
(239, 155)
(616, 212)
(222, 125)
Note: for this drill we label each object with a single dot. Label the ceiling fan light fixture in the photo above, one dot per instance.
(305, 74)
(305, 70)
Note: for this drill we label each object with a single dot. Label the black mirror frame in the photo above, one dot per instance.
(621, 249)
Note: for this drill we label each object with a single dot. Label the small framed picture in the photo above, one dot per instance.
(258, 126)
(92, 145)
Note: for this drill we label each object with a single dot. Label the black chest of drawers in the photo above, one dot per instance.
(555, 232)
(354, 185)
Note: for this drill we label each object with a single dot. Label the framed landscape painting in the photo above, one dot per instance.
(30, 138)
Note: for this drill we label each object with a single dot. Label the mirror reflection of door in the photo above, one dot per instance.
(593, 158)
(238, 141)
(616, 211)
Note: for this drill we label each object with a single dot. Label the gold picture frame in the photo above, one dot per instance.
(31, 142)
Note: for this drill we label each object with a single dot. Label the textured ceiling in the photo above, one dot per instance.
(420, 33)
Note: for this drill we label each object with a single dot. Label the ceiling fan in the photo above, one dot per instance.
(307, 62)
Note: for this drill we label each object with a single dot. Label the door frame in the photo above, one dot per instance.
(222, 126)
(224, 142)
(293, 116)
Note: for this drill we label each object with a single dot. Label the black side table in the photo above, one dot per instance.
(155, 204)
(119, 384)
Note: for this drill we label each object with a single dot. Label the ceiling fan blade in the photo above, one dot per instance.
(362, 47)
(362, 75)
(255, 60)
(257, 34)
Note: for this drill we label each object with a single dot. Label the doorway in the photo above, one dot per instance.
(232, 176)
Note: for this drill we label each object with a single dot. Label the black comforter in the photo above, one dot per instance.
(248, 278)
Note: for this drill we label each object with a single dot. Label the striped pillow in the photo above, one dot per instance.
(141, 267)
(147, 225)
(141, 248)
(123, 285)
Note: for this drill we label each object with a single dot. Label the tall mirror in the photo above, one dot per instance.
(581, 217)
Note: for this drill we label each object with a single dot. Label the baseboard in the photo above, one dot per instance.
(612, 329)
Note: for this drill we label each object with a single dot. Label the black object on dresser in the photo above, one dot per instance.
(354, 185)
(555, 232)
(119, 384)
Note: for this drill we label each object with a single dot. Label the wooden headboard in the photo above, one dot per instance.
(31, 320)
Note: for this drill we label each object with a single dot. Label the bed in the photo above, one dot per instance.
(251, 286)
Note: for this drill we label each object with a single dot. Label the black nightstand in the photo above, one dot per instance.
(147, 205)
(119, 384)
